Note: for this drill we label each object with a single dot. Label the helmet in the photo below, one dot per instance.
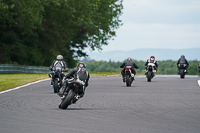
(81, 65)
(152, 57)
(182, 56)
(129, 59)
(59, 57)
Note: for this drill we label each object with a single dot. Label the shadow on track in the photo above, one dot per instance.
(82, 109)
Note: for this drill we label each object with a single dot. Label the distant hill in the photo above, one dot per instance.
(144, 54)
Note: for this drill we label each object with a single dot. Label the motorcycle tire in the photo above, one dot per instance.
(67, 100)
(128, 82)
(55, 86)
(182, 75)
(149, 76)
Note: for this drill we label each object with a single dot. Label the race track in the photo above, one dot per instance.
(168, 104)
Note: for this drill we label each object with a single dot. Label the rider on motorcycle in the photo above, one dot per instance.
(182, 60)
(73, 74)
(128, 63)
(199, 67)
(151, 60)
(55, 63)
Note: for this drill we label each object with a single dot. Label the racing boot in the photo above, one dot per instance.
(61, 92)
(81, 94)
(62, 89)
(146, 72)
(123, 79)
(50, 75)
(123, 76)
(76, 99)
(51, 82)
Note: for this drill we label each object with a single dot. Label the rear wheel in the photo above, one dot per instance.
(128, 82)
(149, 77)
(67, 100)
(182, 74)
(55, 86)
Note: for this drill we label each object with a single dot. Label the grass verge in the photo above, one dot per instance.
(104, 73)
(8, 81)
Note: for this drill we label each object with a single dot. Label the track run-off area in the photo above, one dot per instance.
(168, 104)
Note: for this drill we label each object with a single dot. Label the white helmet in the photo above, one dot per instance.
(59, 57)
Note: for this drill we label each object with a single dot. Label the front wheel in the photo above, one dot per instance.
(55, 86)
(149, 76)
(67, 100)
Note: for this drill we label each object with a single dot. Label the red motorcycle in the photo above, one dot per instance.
(129, 76)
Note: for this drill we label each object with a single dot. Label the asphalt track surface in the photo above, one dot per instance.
(165, 105)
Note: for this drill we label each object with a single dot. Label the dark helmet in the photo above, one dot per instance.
(129, 59)
(59, 57)
(152, 57)
(81, 65)
(182, 56)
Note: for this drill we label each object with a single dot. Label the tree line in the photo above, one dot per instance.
(167, 67)
(34, 32)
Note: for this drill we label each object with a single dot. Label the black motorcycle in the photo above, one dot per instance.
(182, 70)
(57, 78)
(129, 76)
(71, 93)
(150, 71)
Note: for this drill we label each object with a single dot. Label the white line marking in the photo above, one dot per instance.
(16, 88)
(198, 82)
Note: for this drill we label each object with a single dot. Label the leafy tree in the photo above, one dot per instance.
(40, 30)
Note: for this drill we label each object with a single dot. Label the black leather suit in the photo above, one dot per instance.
(128, 63)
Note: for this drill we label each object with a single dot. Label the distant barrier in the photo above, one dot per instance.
(11, 69)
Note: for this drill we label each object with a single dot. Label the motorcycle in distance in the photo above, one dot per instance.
(129, 76)
(182, 70)
(57, 78)
(71, 93)
(150, 71)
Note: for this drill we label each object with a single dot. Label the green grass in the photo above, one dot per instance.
(8, 81)
(104, 73)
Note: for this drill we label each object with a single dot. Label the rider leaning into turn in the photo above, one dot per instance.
(151, 60)
(73, 74)
(55, 63)
(128, 62)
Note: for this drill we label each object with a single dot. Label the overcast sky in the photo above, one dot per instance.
(170, 24)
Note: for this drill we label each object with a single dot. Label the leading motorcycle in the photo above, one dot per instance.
(57, 78)
(129, 76)
(71, 93)
(150, 71)
(182, 70)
